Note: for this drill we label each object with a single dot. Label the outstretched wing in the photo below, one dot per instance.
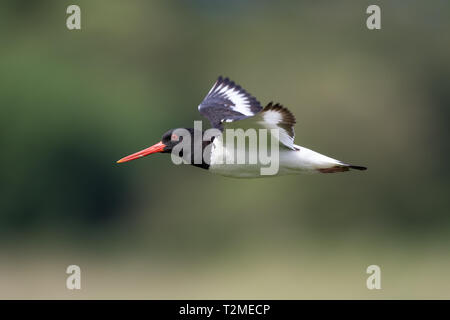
(228, 102)
(273, 116)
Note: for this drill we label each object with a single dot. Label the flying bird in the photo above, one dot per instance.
(228, 106)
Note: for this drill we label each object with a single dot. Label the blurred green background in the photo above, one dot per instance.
(73, 102)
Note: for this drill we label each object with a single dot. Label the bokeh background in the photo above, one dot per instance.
(73, 102)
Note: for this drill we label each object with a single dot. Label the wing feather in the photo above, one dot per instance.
(278, 117)
(273, 116)
(228, 102)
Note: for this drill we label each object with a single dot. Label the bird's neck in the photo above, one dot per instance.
(205, 156)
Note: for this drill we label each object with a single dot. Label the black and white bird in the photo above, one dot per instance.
(228, 106)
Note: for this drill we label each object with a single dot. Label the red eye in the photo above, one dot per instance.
(174, 137)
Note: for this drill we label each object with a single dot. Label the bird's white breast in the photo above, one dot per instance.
(289, 162)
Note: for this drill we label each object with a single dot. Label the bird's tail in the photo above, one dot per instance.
(341, 168)
(357, 167)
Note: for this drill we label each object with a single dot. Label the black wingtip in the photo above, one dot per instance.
(358, 167)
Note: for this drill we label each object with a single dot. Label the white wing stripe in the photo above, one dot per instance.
(227, 101)
(272, 117)
(240, 101)
(279, 118)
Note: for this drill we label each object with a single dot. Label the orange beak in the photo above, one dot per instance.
(159, 147)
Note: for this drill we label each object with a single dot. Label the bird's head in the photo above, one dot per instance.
(168, 141)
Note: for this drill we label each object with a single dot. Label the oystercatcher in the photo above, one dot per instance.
(228, 106)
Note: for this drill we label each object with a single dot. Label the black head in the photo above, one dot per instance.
(175, 136)
(168, 141)
(187, 151)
